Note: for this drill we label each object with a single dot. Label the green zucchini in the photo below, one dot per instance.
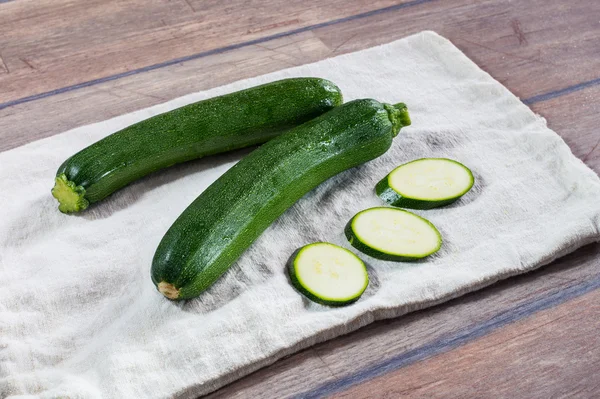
(425, 183)
(328, 274)
(393, 234)
(233, 211)
(212, 126)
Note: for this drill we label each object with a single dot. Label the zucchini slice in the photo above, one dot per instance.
(393, 234)
(328, 274)
(425, 183)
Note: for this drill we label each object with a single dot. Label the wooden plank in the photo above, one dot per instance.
(531, 47)
(551, 354)
(380, 342)
(48, 44)
(99, 39)
(286, 378)
(576, 116)
(42, 118)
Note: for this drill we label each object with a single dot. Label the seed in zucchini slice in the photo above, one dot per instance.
(393, 234)
(328, 274)
(425, 183)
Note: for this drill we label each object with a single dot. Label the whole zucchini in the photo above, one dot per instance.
(212, 126)
(232, 212)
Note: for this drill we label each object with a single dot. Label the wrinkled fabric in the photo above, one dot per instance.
(80, 317)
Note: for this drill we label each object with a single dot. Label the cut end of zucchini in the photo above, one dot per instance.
(168, 290)
(71, 198)
(393, 234)
(328, 274)
(425, 183)
(399, 116)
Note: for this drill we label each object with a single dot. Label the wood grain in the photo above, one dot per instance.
(552, 354)
(41, 40)
(551, 69)
(557, 43)
(576, 117)
(545, 51)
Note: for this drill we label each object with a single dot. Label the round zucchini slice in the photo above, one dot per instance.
(393, 234)
(328, 274)
(425, 183)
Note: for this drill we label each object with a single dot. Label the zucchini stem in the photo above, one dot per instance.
(168, 290)
(398, 114)
(71, 197)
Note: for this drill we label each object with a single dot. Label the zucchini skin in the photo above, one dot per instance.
(211, 126)
(211, 234)
(298, 285)
(356, 242)
(394, 198)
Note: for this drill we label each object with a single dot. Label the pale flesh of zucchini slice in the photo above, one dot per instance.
(328, 274)
(425, 183)
(393, 234)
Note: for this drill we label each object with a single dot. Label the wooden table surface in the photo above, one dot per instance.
(65, 63)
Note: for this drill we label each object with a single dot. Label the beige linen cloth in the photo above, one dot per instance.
(80, 317)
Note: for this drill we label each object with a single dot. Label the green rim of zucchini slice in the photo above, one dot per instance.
(425, 183)
(328, 274)
(393, 234)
